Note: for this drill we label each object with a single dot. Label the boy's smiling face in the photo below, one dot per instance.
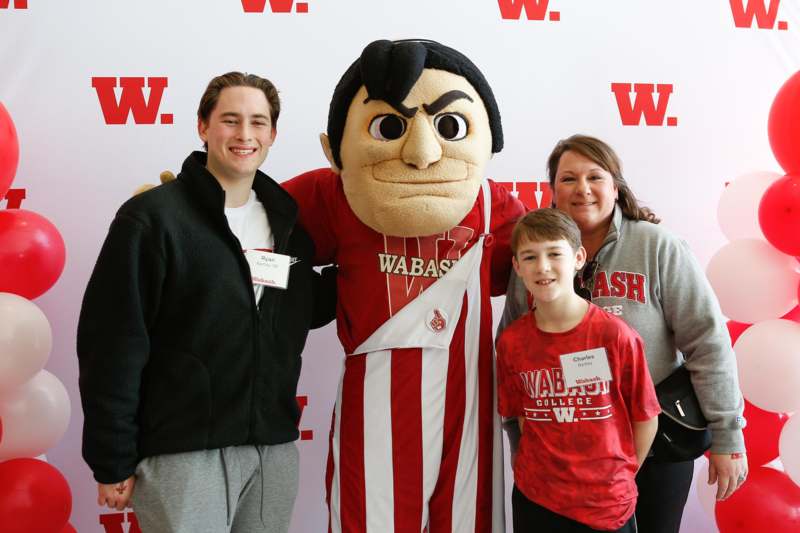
(548, 268)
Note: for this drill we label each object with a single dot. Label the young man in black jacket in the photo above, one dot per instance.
(191, 331)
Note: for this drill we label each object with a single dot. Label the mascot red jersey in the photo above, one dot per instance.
(421, 240)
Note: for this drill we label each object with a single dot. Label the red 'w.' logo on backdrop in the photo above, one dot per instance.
(643, 104)
(18, 4)
(112, 522)
(276, 6)
(14, 198)
(763, 11)
(532, 194)
(131, 99)
(305, 434)
(534, 10)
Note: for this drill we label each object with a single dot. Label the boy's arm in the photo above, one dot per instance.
(643, 435)
(507, 399)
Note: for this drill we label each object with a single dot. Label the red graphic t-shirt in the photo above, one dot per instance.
(576, 455)
(382, 274)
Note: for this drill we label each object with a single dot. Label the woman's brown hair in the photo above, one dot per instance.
(602, 154)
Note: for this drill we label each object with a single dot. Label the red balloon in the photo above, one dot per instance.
(68, 528)
(794, 314)
(761, 434)
(31, 252)
(736, 329)
(768, 501)
(784, 125)
(779, 213)
(34, 496)
(9, 151)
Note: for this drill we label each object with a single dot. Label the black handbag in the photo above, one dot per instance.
(683, 433)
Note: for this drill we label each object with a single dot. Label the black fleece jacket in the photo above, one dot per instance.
(174, 353)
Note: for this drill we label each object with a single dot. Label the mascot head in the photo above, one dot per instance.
(411, 127)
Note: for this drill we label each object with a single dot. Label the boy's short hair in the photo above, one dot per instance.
(545, 224)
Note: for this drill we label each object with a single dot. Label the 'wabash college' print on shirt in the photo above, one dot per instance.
(553, 402)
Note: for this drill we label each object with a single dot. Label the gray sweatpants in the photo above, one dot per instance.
(239, 489)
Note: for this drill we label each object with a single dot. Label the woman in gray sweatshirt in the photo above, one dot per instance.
(649, 278)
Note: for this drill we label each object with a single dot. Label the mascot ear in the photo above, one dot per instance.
(326, 148)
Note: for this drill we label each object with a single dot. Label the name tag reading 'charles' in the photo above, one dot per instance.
(269, 269)
(585, 368)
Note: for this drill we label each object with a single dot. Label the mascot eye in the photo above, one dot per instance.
(451, 126)
(387, 127)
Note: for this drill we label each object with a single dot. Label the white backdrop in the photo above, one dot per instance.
(552, 77)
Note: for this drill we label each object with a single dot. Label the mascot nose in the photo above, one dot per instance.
(421, 148)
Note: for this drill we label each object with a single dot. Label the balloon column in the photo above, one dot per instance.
(757, 279)
(34, 405)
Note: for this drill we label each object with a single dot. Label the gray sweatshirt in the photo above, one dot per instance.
(650, 278)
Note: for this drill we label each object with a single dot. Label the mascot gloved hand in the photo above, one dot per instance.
(164, 177)
(421, 240)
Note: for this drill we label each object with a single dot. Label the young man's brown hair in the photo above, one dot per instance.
(238, 79)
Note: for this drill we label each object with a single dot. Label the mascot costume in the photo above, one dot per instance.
(421, 240)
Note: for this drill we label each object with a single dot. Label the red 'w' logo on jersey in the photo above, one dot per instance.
(14, 198)
(413, 264)
(534, 9)
(532, 194)
(131, 100)
(744, 11)
(643, 104)
(112, 522)
(18, 4)
(276, 6)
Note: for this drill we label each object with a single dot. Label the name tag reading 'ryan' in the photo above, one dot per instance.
(585, 368)
(269, 269)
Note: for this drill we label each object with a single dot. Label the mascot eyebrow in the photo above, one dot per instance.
(390, 69)
(440, 103)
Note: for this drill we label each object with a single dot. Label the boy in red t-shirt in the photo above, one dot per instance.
(576, 379)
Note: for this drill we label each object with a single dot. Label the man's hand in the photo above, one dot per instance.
(116, 495)
(728, 471)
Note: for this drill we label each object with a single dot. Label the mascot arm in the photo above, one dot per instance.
(506, 210)
(315, 193)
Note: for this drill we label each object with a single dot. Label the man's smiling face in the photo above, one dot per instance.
(416, 171)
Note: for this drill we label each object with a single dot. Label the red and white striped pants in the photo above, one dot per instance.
(415, 439)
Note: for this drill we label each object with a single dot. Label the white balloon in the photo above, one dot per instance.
(768, 357)
(35, 415)
(789, 446)
(737, 211)
(753, 281)
(706, 494)
(25, 340)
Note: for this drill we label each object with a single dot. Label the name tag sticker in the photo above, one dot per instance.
(269, 269)
(585, 368)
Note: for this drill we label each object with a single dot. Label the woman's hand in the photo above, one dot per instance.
(728, 471)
